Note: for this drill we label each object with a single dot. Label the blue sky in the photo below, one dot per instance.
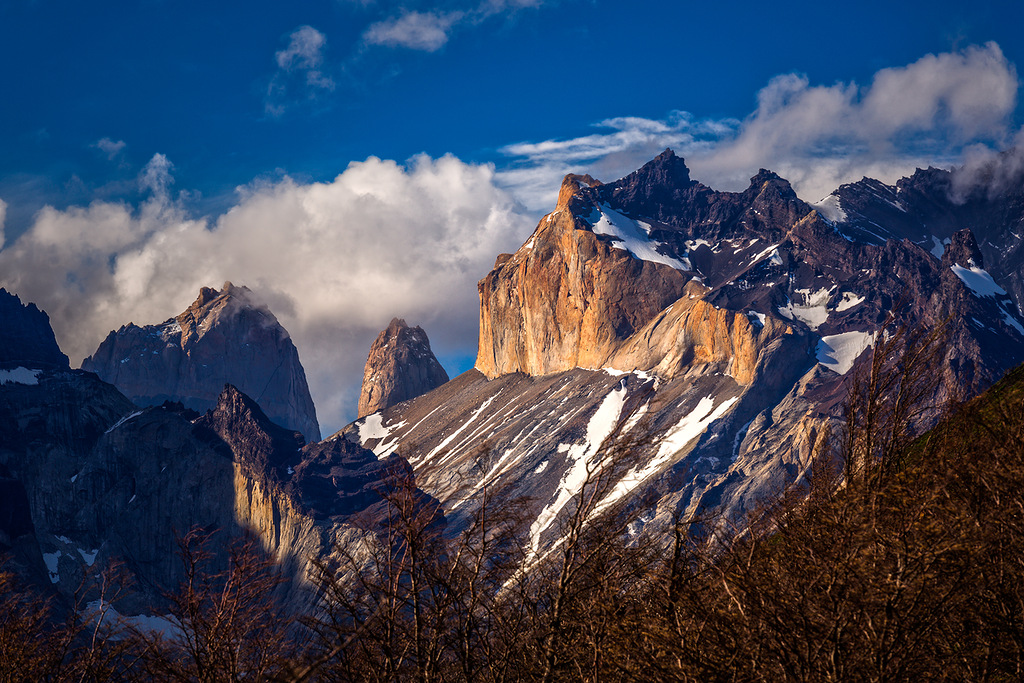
(191, 80)
(235, 124)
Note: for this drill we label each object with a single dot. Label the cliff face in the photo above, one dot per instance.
(304, 503)
(223, 337)
(26, 338)
(611, 258)
(567, 299)
(400, 366)
(692, 332)
(107, 481)
(89, 479)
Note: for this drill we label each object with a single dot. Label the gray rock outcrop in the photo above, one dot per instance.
(400, 367)
(224, 337)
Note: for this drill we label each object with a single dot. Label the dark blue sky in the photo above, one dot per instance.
(190, 80)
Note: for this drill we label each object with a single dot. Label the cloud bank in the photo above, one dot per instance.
(334, 261)
(816, 136)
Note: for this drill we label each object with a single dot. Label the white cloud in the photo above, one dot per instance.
(3, 219)
(300, 70)
(430, 31)
(989, 171)
(967, 94)
(335, 261)
(156, 176)
(305, 54)
(607, 156)
(495, 6)
(109, 147)
(816, 136)
(426, 31)
(630, 132)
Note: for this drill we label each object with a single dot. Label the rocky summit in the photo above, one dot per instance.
(224, 337)
(400, 366)
(681, 352)
(26, 339)
(930, 206)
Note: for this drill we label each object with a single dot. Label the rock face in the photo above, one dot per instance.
(87, 478)
(931, 205)
(715, 333)
(26, 338)
(304, 503)
(224, 337)
(592, 275)
(400, 366)
(93, 479)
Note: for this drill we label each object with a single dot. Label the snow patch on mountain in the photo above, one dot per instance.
(978, 280)
(813, 309)
(632, 236)
(773, 250)
(831, 209)
(451, 437)
(692, 425)
(89, 557)
(687, 429)
(102, 611)
(372, 427)
(52, 561)
(583, 459)
(123, 420)
(848, 301)
(1011, 320)
(837, 352)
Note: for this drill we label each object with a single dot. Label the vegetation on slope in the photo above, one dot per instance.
(913, 572)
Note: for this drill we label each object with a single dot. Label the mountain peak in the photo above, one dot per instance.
(963, 250)
(400, 366)
(774, 180)
(665, 170)
(572, 184)
(225, 336)
(207, 295)
(764, 175)
(26, 338)
(661, 182)
(256, 440)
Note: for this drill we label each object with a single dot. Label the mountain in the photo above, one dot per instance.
(711, 334)
(88, 478)
(400, 366)
(26, 338)
(931, 205)
(224, 337)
